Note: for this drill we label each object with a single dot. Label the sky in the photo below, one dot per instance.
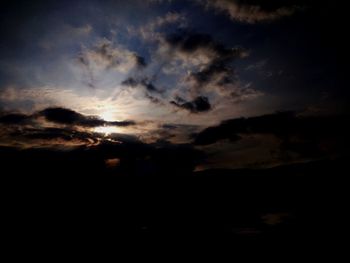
(197, 120)
(254, 76)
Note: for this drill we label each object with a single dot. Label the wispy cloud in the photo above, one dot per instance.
(250, 13)
(107, 55)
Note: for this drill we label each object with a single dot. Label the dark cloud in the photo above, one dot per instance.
(61, 116)
(120, 123)
(216, 68)
(50, 135)
(172, 133)
(14, 118)
(131, 82)
(62, 137)
(153, 99)
(145, 83)
(189, 42)
(308, 136)
(199, 104)
(70, 117)
(25, 131)
(231, 128)
(67, 116)
(149, 86)
(218, 71)
(140, 61)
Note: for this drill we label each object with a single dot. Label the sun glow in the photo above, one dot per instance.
(106, 130)
(107, 116)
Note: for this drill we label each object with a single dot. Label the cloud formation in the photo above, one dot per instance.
(199, 104)
(204, 68)
(61, 116)
(14, 118)
(150, 31)
(50, 136)
(284, 125)
(110, 56)
(251, 11)
(211, 59)
(209, 64)
(107, 55)
(70, 117)
(57, 127)
(273, 139)
(144, 82)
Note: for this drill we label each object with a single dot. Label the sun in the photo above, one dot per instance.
(106, 130)
(107, 116)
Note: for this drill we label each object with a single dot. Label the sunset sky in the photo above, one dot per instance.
(216, 123)
(76, 73)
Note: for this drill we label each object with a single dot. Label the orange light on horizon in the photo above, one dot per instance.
(110, 163)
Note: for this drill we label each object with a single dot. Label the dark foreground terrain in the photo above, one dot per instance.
(56, 201)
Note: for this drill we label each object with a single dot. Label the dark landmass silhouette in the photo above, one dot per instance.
(55, 195)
